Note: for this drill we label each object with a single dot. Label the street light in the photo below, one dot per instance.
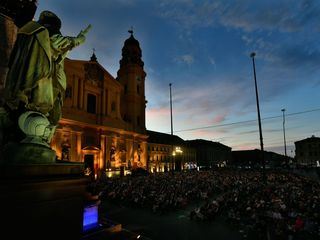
(170, 84)
(284, 134)
(252, 55)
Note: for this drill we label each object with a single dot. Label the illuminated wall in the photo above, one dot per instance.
(91, 128)
(163, 157)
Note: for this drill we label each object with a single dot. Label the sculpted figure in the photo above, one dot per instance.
(36, 81)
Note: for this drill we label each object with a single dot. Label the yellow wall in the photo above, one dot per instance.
(97, 134)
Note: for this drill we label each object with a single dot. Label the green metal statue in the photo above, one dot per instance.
(34, 91)
(36, 82)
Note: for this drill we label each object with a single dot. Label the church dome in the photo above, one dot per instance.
(131, 52)
(131, 41)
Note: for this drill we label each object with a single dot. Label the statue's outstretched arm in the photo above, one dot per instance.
(63, 44)
(86, 30)
(81, 36)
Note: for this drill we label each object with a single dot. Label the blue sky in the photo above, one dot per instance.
(203, 48)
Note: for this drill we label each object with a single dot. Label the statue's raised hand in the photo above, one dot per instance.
(86, 30)
(82, 36)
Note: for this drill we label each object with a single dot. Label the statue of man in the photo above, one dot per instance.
(36, 81)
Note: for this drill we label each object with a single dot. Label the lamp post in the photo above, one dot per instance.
(252, 55)
(170, 84)
(284, 134)
(172, 156)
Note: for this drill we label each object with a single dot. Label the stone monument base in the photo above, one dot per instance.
(42, 201)
(27, 153)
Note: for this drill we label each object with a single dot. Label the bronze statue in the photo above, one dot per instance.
(36, 82)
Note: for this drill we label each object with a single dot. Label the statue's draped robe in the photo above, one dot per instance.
(36, 75)
(30, 66)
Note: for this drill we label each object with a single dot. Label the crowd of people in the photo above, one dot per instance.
(283, 205)
(164, 192)
(286, 206)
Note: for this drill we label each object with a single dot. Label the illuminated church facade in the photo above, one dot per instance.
(103, 120)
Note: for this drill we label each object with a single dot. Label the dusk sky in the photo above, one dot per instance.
(203, 48)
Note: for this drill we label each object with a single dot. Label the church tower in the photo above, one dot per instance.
(132, 77)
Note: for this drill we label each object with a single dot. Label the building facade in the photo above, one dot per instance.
(209, 153)
(169, 152)
(253, 159)
(103, 120)
(308, 151)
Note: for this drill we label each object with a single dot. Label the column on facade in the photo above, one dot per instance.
(106, 108)
(103, 99)
(56, 144)
(73, 146)
(109, 102)
(108, 145)
(129, 152)
(75, 88)
(118, 105)
(144, 157)
(102, 163)
(53, 143)
(81, 92)
(99, 103)
(79, 153)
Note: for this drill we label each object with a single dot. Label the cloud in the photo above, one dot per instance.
(219, 118)
(156, 112)
(282, 33)
(186, 58)
(212, 61)
(158, 118)
(248, 15)
(205, 134)
(188, 13)
(299, 55)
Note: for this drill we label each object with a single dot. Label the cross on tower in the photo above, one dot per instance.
(131, 30)
(93, 57)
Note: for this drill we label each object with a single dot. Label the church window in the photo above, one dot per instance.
(89, 140)
(91, 103)
(68, 92)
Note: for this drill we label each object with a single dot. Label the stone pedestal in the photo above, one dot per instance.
(27, 153)
(42, 201)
